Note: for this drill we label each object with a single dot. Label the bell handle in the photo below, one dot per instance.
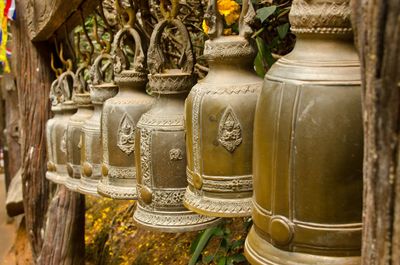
(155, 57)
(66, 87)
(80, 84)
(98, 71)
(139, 61)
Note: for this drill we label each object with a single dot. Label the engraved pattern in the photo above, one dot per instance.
(241, 49)
(320, 17)
(171, 219)
(175, 154)
(229, 130)
(233, 207)
(171, 84)
(239, 183)
(121, 172)
(126, 134)
(118, 193)
(168, 198)
(63, 144)
(104, 139)
(145, 156)
(151, 120)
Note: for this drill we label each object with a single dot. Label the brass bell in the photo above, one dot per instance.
(308, 146)
(161, 155)
(120, 116)
(219, 118)
(56, 128)
(101, 89)
(81, 98)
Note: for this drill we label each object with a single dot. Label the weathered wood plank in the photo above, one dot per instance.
(377, 25)
(48, 16)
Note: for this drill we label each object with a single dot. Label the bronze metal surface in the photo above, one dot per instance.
(56, 128)
(219, 116)
(74, 131)
(308, 146)
(120, 116)
(101, 89)
(161, 155)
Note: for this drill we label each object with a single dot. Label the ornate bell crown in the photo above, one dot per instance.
(129, 73)
(321, 17)
(65, 84)
(102, 89)
(170, 81)
(234, 47)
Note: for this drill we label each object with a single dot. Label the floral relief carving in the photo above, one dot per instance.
(229, 131)
(175, 154)
(126, 134)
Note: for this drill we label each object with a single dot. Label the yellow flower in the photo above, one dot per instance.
(205, 27)
(230, 10)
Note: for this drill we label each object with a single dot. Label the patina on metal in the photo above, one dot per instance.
(161, 155)
(81, 98)
(56, 128)
(102, 88)
(219, 120)
(121, 114)
(308, 146)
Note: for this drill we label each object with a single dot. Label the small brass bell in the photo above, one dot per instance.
(74, 129)
(308, 146)
(56, 128)
(91, 155)
(120, 116)
(219, 119)
(161, 155)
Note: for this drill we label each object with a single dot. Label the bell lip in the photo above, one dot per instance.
(116, 192)
(229, 211)
(173, 229)
(274, 256)
(171, 82)
(88, 186)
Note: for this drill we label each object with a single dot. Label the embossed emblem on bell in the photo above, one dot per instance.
(121, 114)
(219, 118)
(81, 98)
(308, 146)
(102, 88)
(56, 128)
(161, 155)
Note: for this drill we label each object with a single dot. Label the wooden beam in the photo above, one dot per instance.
(48, 16)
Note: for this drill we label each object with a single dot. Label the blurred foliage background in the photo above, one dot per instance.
(111, 236)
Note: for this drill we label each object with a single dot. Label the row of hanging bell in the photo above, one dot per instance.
(160, 151)
(219, 115)
(56, 128)
(308, 146)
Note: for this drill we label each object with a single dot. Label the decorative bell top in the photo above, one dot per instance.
(170, 81)
(66, 81)
(234, 47)
(321, 17)
(81, 96)
(101, 83)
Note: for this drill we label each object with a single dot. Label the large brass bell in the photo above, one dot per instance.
(101, 89)
(56, 128)
(308, 146)
(219, 120)
(120, 116)
(81, 98)
(161, 155)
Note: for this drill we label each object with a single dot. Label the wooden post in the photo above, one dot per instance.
(377, 31)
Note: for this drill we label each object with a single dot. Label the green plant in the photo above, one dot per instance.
(218, 245)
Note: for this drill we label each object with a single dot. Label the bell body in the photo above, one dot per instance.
(56, 133)
(219, 117)
(308, 149)
(74, 135)
(161, 160)
(91, 155)
(119, 119)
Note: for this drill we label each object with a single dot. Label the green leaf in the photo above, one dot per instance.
(204, 238)
(207, 259)
(264, 58)
(237, 244)
(264, 12)
(195, 242)
(283, 30)
(235, 259)
(259, 66)
(222, 261)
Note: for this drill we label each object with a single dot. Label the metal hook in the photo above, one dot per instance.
(105, 45)
(127, 15)
(57, 71)
(169, 14)
(68, 62)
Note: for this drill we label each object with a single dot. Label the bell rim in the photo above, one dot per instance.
(56, 177)
(230, 210)
(214, 221)
(116, 192)
(88, 186)
(274, 256)
(71, 183)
